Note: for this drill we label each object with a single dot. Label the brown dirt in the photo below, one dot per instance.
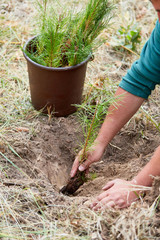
(50, 153)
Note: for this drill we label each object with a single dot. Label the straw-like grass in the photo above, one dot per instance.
(31, 209)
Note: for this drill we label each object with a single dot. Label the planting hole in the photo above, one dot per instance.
(50, 154)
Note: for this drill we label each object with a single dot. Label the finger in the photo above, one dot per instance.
(105, 203)
(108, 185)
(87, 171)
(99, 198)
(102, 195)
(75, 167)
(110, 204)
(92, 205)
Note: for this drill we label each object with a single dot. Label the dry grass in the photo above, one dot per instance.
(31, 210)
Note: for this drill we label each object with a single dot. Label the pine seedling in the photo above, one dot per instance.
(87, 108)
(89, 134)
(80, 177)
(91, 118)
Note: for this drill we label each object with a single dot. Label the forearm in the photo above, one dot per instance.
(145, 176)
(118, 116)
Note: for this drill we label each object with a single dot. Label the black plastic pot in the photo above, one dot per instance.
(55, 88)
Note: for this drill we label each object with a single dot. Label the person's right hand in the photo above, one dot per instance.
(93, 155)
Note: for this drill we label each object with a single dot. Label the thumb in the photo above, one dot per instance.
(85, 165)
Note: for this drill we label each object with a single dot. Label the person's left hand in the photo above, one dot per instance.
(117, 193)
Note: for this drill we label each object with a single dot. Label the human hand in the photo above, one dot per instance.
(93, 155)
(117, 193)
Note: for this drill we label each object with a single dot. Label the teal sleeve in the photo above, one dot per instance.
(144, 74)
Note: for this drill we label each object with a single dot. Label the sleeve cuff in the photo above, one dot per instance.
(133, 89)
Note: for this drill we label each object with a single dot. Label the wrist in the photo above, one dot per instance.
(101, 143)
(145, 181)
(139, 189)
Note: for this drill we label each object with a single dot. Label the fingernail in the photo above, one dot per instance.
(81, 168)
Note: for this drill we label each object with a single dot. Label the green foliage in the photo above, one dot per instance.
(92, 175)
(129, 36)
(68, 38)
(98, 101)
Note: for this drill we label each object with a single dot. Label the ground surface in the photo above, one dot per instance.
(52, 151)
(37, 154)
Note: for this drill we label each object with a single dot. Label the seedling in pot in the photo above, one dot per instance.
(57, 56)
(67, 39)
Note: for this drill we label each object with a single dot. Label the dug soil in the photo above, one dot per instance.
(49, 153)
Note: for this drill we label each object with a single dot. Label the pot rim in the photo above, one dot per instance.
(89, 58)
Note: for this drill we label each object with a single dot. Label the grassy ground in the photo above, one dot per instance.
(30, 209)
